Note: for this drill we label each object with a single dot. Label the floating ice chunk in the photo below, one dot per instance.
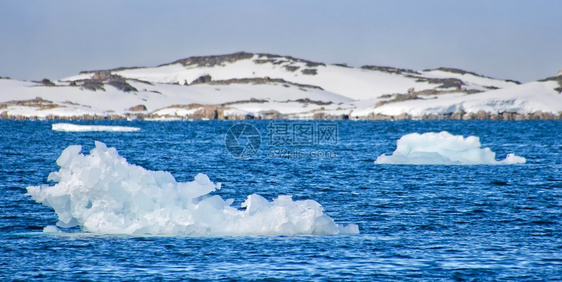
(68, 155)
(82, 128)
(51, 229)
(103, 193)
(443, 148)
(513, 159)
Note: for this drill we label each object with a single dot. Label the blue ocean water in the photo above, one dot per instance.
(482, 222)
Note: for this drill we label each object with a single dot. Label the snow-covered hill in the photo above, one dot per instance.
(243, 85)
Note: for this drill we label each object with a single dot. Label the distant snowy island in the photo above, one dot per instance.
(265, 86)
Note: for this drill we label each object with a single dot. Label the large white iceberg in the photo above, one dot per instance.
(443, 149)
(102, 193)
(84, 128)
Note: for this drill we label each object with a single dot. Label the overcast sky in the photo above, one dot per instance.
(519, 40)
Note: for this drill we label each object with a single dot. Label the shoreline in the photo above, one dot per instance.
(318, 116)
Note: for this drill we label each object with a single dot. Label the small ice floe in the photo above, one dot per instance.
(443, 149)
(84, 128)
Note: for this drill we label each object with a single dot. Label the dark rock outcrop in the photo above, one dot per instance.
(260, 80)
(459, 71)
(106, 77)
(92, 85)
(398, 98)
(308, 101)
(47, 82)
(445, 82)
(291, 68)
(138, 108)
(209, 61)
(122, 85)
(38, 102)
(281, 59)
(310, 71)
(389, 69)
(252, 100)
(202, 79)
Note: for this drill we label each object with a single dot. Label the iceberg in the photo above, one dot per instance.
(83, 128)
(102, 193)
(443, 149)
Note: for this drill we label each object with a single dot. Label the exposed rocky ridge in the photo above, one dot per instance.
(251, 100)
(207, 79)
(138, 108)
(445, 86)
(459, 71)
(309, 101)
(105, 77)
(33, 103)
(47, 82)
(307, 63)
(122, 85)
(398, 98)
(210, 61)
(92, 85)
(109, 71)
(454, 70)
(390, 69)
(213, 60)
(202, 79)
(444, 82)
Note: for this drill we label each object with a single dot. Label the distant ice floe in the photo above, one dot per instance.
(443, 149)
(102, 193)
(83, 128)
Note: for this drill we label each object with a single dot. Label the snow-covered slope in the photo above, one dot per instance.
(527, 98)
(242, 84)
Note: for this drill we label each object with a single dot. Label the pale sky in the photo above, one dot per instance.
(509, 39)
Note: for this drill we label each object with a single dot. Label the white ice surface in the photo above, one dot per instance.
(102, 193)
(83, 128)
(443, 149)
